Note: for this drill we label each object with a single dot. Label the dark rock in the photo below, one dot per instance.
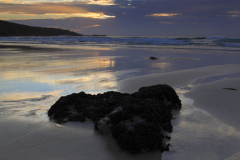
(233, 89)
(153, 58)
(137, 121)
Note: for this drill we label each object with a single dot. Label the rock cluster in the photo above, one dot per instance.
(137, 121)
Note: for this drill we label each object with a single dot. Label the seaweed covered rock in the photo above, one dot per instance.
(137, 121)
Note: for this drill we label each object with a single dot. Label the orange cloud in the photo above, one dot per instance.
(40, 8)
(47, 10)
(234, 13)
(20, 1)
(97, 25)
(93, 2)
(98, 2)
(163, 15)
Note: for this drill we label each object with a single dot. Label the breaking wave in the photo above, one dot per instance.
(126, 41)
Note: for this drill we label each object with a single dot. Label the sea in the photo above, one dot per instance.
(118, 41)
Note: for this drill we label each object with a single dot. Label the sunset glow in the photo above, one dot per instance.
(99, 2)
(96, 25)
(162, 15)
(95, 2)
(54, 16)
(234, 13)
(46, 11)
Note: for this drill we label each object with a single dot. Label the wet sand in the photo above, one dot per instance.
(220, 97)
(210, 110)
(217, 99)
(33, 79)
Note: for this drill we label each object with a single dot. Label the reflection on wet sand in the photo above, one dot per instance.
(27, 96)
(33, 82)
(23, 103)
(21, 69)
(162, 65)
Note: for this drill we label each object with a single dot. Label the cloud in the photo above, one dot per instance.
(46, 11)
(40, 8)
(92, 15)
(166, 22)
(234, 13)
(93, 2)
(96, 25)
(98, 2)
(162, 15)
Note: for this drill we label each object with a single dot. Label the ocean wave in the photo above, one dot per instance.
(225, 41)
(126, 41)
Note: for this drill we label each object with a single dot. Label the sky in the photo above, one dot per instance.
(129, 17)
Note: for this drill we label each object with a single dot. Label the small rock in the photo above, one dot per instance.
(230, 89)
(153, 58)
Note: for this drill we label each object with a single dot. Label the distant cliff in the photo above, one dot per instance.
(14, 29)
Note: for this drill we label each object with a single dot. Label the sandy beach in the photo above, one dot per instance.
(219, 98)
(32, 78)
